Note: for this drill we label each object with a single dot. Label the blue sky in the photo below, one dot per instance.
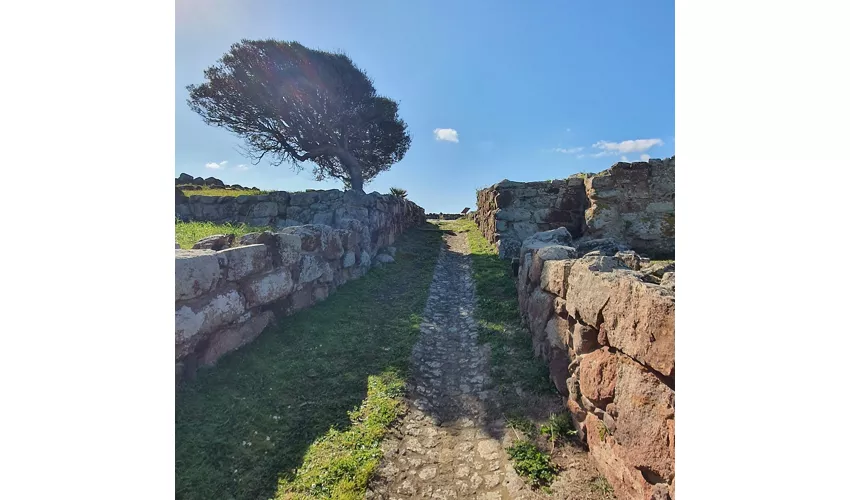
(490, 90)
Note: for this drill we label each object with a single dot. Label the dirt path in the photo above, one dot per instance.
(451, 442)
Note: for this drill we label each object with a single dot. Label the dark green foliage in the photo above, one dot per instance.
(401, 193)
(532, 464)
(297, 104)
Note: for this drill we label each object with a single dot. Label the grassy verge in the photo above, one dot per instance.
(300, 412)
(520, 377)
(209, 191)
(188, 233)
(513, 364)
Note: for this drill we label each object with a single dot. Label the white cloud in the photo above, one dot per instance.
(568, 151)
(242, 167)
(216, 166)
(644, 157)
(623, 158)
(633, 146)
(445, 134)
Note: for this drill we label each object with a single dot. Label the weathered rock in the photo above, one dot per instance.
(384, 258)
(196, 272)
(645, 316)
(234, 337)
(215, 242)
(585, 339)
(598, 377)
(605, 246)
(213, 182)
(632, 260)
(242, 261)
(184, 179)
(267, 288)
(553, 277)
(391, 250)
(365, 259)
(193, 321)
(669, 280)
(348, 259)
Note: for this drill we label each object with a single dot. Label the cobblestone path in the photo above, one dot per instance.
(451, 442)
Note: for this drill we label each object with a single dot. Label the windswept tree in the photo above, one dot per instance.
(296, 104)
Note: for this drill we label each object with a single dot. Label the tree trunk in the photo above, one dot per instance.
(355, 172)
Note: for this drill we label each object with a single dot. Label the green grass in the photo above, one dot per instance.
(300, 412)
(188, 233)
(497, 312)
(210, 191)
(602, 485)
(532, 464)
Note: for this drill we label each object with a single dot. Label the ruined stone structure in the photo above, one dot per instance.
(632, 203)
(606, 327)
(225, 298)
(282, 209)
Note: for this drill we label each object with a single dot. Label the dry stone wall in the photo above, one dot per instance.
(224, 299)
(382, 214)
(606, 327)
(631, 203)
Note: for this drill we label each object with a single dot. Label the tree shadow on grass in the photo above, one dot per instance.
(250, 419)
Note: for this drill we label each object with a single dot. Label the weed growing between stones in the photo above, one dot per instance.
(559, 427)
(309, 400)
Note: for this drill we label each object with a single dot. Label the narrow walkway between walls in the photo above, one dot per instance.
(451, 443)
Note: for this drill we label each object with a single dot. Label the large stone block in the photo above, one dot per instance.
(311, 268)
(598, 377)
(539, 311)
(264, 209)
(642, 315)
(240, 262)
(196, 273)
(231, 338)
(197, 318)
(269, 287)
(288, 248)
(553, 277)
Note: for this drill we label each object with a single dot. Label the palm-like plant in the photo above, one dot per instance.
(401, 193)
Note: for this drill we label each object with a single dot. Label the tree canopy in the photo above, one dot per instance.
(297, 104)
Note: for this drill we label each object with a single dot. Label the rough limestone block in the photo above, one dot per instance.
(311, 269)
(598, 377)
(348, 259)
(332, 247)
(553, 277)
(233, 337)
(539, 310)
(638, 317)
(195, 319)
(584, 339)
(240, 262)
(264, 209)
(196, 273)
(558, 332)
(268, 288)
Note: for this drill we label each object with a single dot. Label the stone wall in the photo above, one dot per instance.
(225, 299)
(632, 203)
(509, 212)
(382, 214)
(606, 327)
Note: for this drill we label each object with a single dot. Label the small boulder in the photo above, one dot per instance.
(632, 260)
(669, 280)
(198, 181)
(605, 246)
(385, 258)
(183, 179)
(215, 242)
(391, 250)
(213, 182)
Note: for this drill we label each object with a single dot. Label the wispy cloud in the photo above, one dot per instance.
(216, 166)
(623, 158)
(644, 157)
(569, 151)
(632, 146)
(446, 134)
(242, 167)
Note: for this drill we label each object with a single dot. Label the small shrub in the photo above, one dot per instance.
(532, 464)
(401, 193)
(522, 424)
(559, 426)
(602, 485)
